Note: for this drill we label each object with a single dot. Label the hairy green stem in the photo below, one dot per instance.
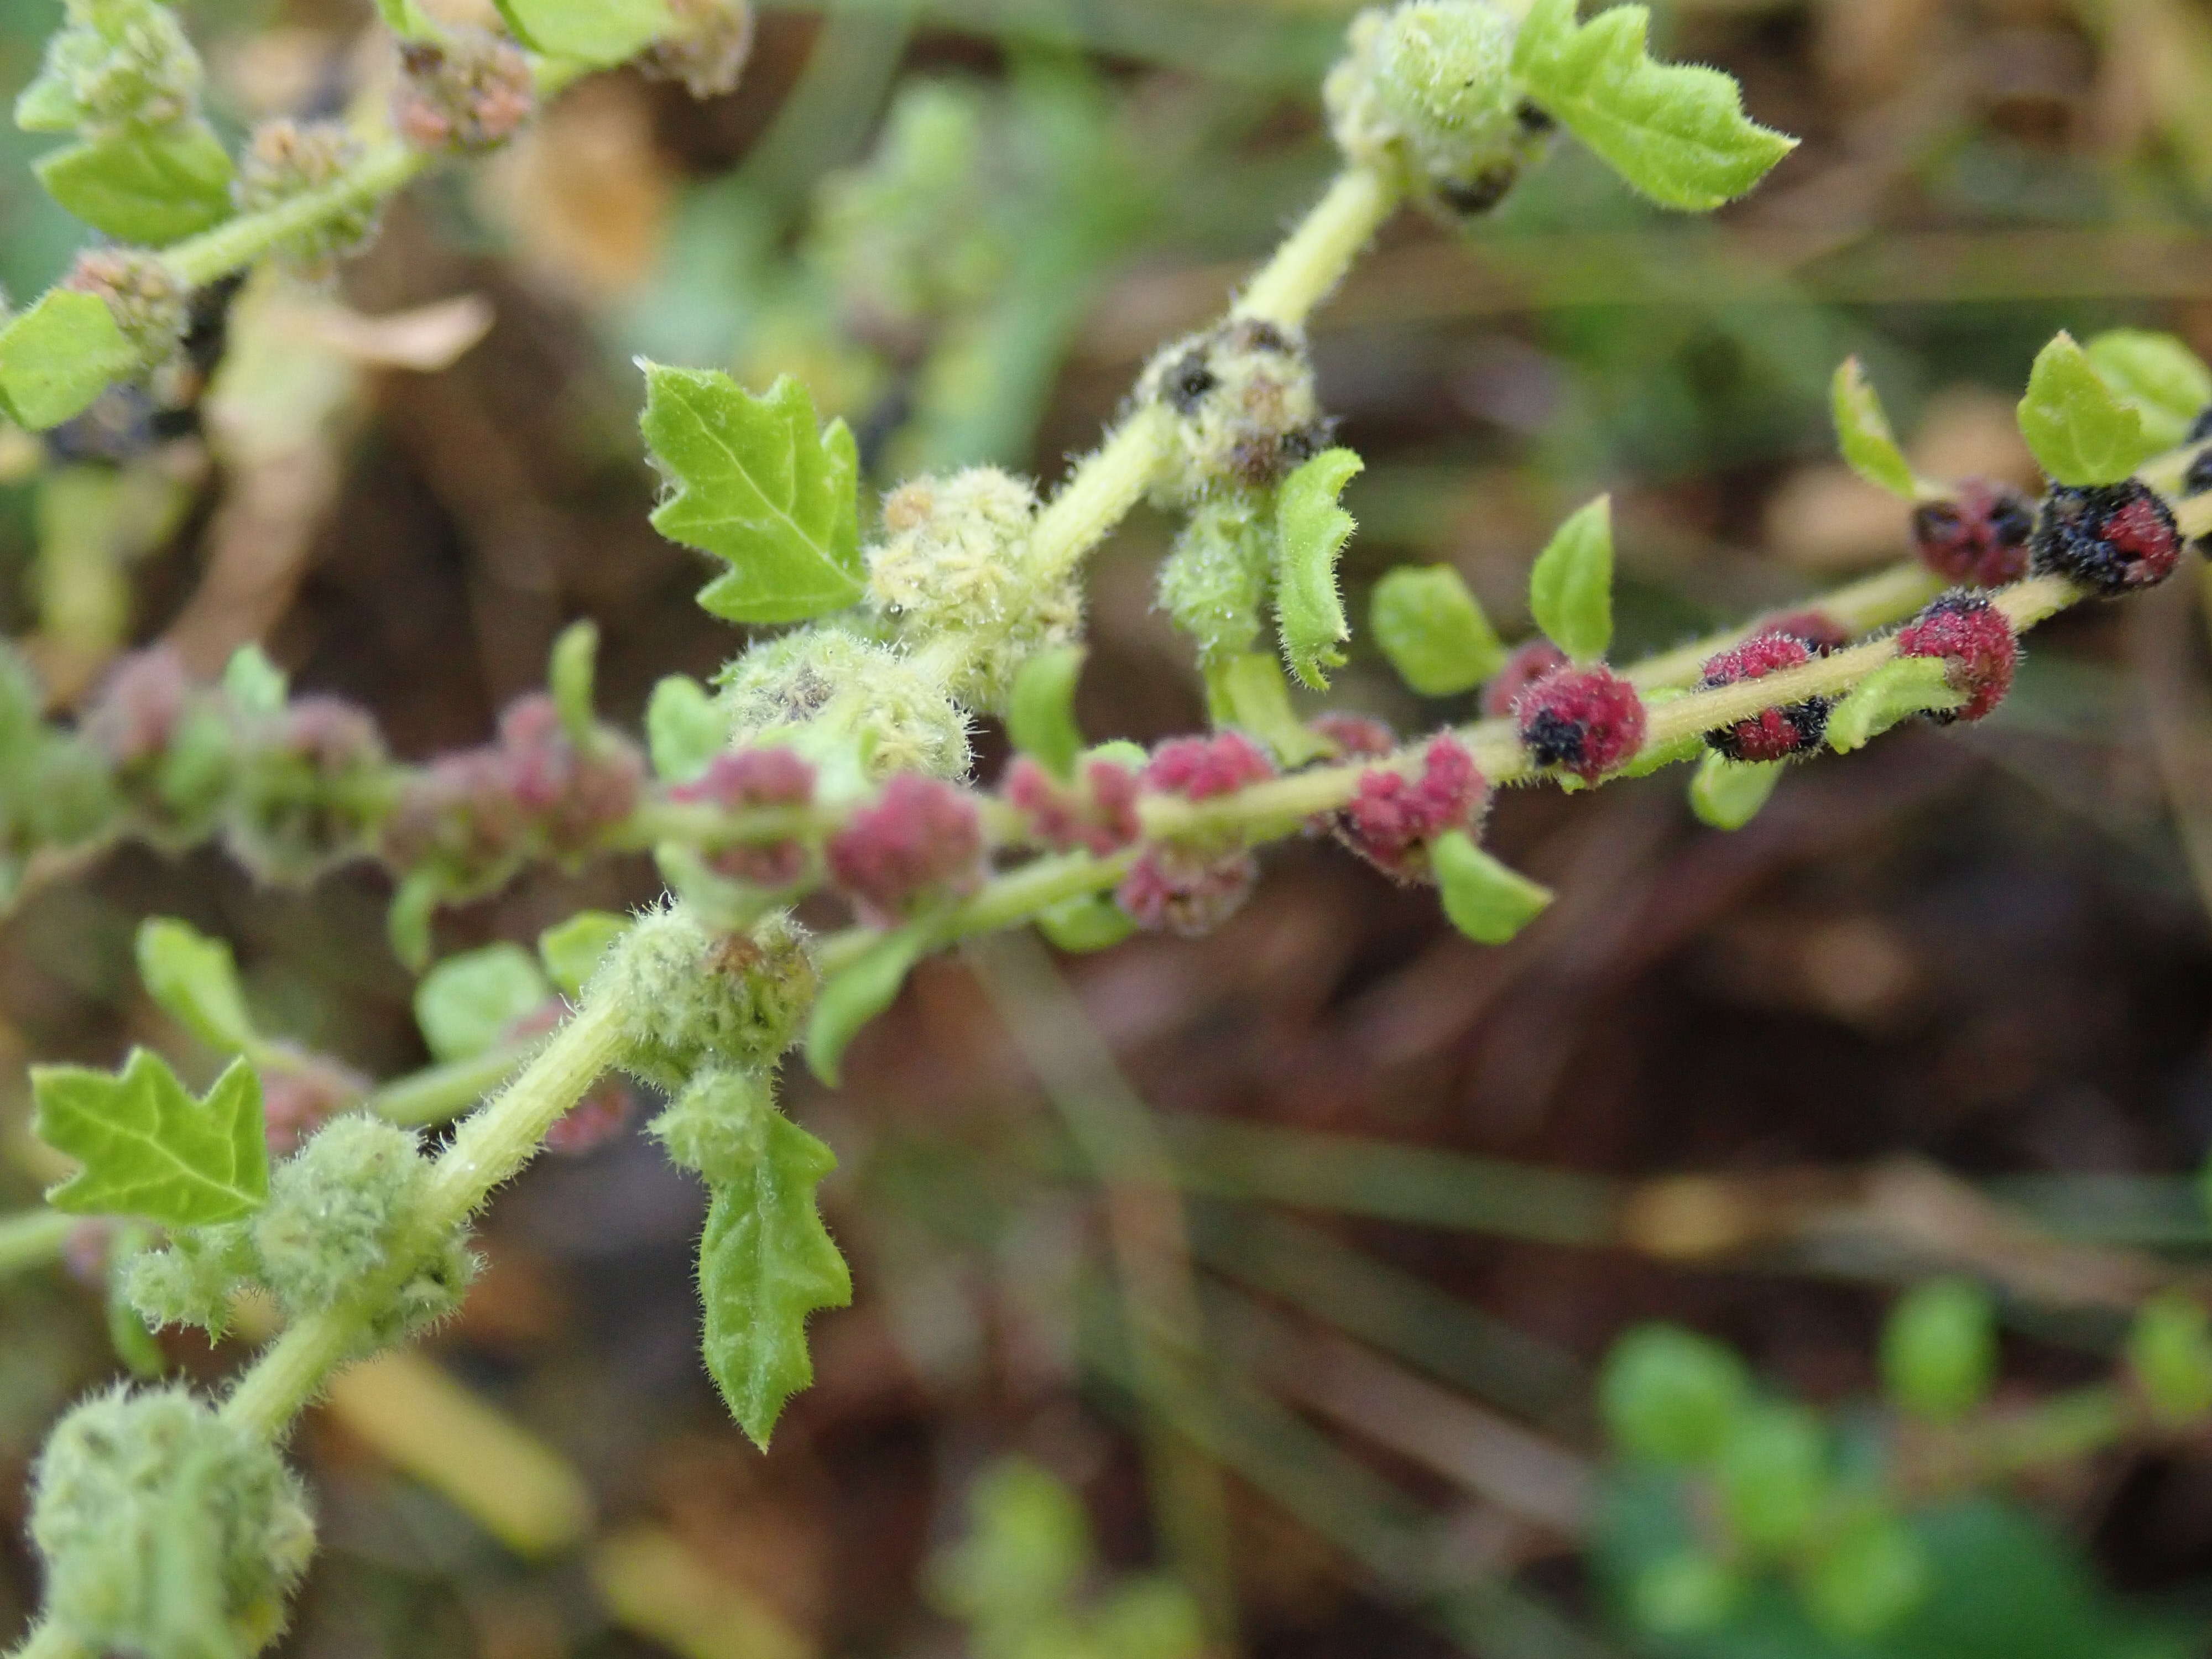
(437, 1094)
(33, 1240)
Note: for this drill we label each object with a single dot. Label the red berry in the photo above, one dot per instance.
(2111, 538)
(1391, 818)
(1584, 720)
(1821, 633)
(1772, 733)
(136, 709)
(1977, 645)
(1356, 736)
(1979, 537)
(919, 835)
(755, 778)
(1198, 768)
(1523, 669)
(1185, 891)
(1099, 815)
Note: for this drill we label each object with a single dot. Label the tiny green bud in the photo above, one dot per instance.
(2170, 1358)
(1670, 1395)
(1939, 1350)
(286, 158)
(717, 1125)
(1433, 631)
(191, 1280)
(338, 1211)
(905, 718)
(1865, 1577)
(115, 65)
(1684, 1594)
(694, 1000)
(1213, 582)
(1773, 1473)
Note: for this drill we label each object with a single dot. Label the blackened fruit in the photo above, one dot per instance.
(1584, 720)
(2111, 538)
(1771, 734)
(1979, 536)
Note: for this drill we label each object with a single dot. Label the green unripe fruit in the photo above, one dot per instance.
(336, 1210)
(1865, 1578)
(1939, 1350)
(166, 1530)
(193, 1280)
(694, 999)
(905, 716)
(1213, 583)
(1684, 1594)
(1670, 1395)
(2170, 1357)
(1773, 1472)
(718, 1125)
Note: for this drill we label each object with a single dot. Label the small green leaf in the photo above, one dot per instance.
(1249, 691)
(1041, 715)
(58, 358)
(193, 978)
(1311, 530)
(254, 684)
(2163, 380)
(758, 485)
(1092, 922)
(1571, 586)
(469, 1002)
(766, 1262)
(150, 1149)
(1726, 794)
(572, 950)
(1485, 900)
(600, 33)
(685, 728)
(49, 104)
(1675, 131)
(569, 675)
(151, 187)
(1433, 631)
(856, 994)
(2080, 429)
(1898, 690)
(413, 907)
(1863, 433)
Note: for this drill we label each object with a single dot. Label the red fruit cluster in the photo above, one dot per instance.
(755, 778)
(1979, 537)
(2110, 538)
(470, 91)
(1977, 645)
(1187, 891)
(1391, 818)
(1584, 720)
(135, 714)
(1528, 665)
(1199, 768)
(1098, 814)
(1356, 736)
(919, 837)
(1772, 733)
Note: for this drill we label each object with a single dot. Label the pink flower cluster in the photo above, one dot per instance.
(1978, 647)
(1771, 734)
(1098, 814)
(1583, 721)
(1979, 536)
(1392, 818)
(755, 778)
(1199, 768)
(919, 837)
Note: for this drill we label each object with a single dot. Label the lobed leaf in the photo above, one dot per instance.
(150, 187)
(1675, 131)
(1433, 631)
(1311, 530)
(766, 1262)
(1485, 900)
(468, 1003)
(1040, 713)
(194, 979)
(757, 485)
(856, 994)
(150, 1150)
(1570, 585)
(1728, 794)
(2161, 378)
(58, 358)
(1898, 690)
(600, 33)
(1863, 433)
(2081, 431)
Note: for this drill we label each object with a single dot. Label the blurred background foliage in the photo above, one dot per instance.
(1280, 1261)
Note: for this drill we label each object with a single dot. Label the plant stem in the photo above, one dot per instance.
(439, 1093)
(33, 1240)
(1307, 268)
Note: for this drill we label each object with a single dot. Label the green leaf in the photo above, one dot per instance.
(1898, 690)
(1249, 691)
(2080, 431)
(856, 994)
(1862, 431)
(193, 978)
(413, 907)
(1311, 530)
(570, 676)
(685, 728)
(766, 1262)
(572, 950)
(2163, 380)
(1571, 586)
(1041, 715)
(596, 32)
(1079, 926)
(757, 485)
(151, 187)
(254, 684)
(469, 1002)
(150, 1149)
(1485, 900)
(1433, 631)
(1675, 131)
(1726, 794)
(406, 19)
(58, 358)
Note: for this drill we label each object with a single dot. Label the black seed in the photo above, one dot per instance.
(1188, 382)
(1258, 334)
(1554, 739)
(2198, 478)
(2201, 427)
(1480, 194)
(1532, 119)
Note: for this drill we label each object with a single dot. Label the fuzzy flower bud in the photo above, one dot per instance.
(1097, 814)
(338, 1211)
(149, 1509)
(1772, 733)
(1199, 768)
(1978, 538)
(2110, 538)
(1979, 650)
(191, 1280)
(573, 795)
(460, 815)
(1246, 411)
(1529, 663)
(750, 778)
(1392, 818)
(692, 998)
(707, 50)
(148, 302)
(919, 838)
(1214, 582)
(308, 789)
(907, 718)
(1186, 890)
(1584, 720)
(116, 66)
(469, 92)
(285, 158)
(717, 1124)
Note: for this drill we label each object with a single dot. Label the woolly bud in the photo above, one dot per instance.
(919, 839)
(1185, 891)
(1821, 633)
(1977, 645)
(1584, 720)
(1199, 768)
(1391, 818)
(692, 998)
(1980, 536)
(152, 1512)
(2110, 538)
(752, 778)
(114, 67)
(1215, 579)
(460, 815)
(338, 1211)
(1528, 665)
(148, 302)
(1357, 737)
(191, 1280)
(1246, 413)
(1772, 733)
(1098, 814)
(309, 789)
(717, 1124)
(908, 721)
(471, 91)
(708, 49)
(286, 158)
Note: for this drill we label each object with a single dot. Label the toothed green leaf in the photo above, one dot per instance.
(1728, 794)
(58, 358)
(766, 1262)
(1485, 900)
(2161, 378)
(596, 31)
(194, 979)
(1898, 690)
(1311, 530)
(1571, 586)
(757, 485)
(856, 994)
(1675, 131)
(1041, 715)
(468, 1003)
(1433, 631)
(1862, 431)
(150, 188)
(150, 1150)
(2081, 431)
